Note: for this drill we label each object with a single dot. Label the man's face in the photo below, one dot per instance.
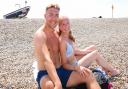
(52, 17)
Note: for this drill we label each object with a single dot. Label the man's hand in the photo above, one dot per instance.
(58, 85)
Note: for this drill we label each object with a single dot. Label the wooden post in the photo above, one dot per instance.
(112, 10)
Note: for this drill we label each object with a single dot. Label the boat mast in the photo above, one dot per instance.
(26, 2)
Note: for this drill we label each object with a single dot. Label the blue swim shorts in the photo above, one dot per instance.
(62, 73)
(40, 75)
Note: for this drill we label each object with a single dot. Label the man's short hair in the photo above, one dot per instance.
(56, 6)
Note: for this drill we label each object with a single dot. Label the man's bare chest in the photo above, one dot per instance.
(53, 44)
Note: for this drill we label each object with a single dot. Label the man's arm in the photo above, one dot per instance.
(50, 66)
(45, 57)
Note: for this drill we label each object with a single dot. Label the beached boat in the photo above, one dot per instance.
(20, 13)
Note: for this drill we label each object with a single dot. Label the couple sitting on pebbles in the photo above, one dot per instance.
(59, 62)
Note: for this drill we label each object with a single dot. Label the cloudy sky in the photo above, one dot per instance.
(70, 8)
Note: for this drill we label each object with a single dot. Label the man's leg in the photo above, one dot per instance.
(46, 83)
(76, 79)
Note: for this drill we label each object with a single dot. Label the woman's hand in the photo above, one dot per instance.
(84, 72)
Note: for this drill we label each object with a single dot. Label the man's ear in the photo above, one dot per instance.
(44, 15)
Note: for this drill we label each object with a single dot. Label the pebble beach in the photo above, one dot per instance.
(109, 35)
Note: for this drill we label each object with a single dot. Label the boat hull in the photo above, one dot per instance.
(20, 13)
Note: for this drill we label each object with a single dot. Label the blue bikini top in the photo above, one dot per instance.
(70, 50)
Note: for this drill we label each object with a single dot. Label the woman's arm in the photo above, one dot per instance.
(80, 52)
(85, 51)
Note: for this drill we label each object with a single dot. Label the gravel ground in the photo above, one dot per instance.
(17, 53)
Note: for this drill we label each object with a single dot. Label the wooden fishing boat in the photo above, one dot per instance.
(20, 13)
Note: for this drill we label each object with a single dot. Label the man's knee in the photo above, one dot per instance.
(49, 85)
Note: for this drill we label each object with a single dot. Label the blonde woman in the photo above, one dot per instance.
(86, 57)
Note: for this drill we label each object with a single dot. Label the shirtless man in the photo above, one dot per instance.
(51, 75)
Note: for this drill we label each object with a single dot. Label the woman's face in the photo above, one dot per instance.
(64, 25)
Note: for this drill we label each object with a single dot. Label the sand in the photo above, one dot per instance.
(17, 50)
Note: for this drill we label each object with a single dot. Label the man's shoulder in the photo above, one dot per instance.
(40, 34)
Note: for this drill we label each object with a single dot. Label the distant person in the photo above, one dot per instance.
(100, 17)
(84, 58)
(51, 74)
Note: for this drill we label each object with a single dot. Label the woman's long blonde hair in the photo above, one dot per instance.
(71, 37)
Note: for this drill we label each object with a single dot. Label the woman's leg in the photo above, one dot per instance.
(76, 79)
(95, 56)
